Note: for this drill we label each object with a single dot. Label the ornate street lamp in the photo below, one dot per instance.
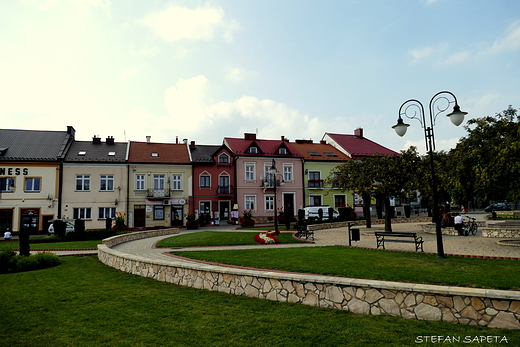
(273, 182)
(439, 103)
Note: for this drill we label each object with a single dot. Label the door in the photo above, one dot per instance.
(139, 216)
(177, 216)
(288, 204)
(224, 210)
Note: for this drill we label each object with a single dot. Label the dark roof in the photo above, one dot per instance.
(86, 151)
(33, 145)
(203, 153)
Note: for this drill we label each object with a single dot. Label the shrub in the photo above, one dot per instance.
(10, 262)
(108, 223)
(79, 229)
(60, 228)
(7, 261)
(99, 234)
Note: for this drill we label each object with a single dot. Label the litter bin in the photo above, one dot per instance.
(355, 234)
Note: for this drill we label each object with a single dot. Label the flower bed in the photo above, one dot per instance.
(266, 238)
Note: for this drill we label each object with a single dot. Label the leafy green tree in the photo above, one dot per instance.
(388, 175)
(485, 163)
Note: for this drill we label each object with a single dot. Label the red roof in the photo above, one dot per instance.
(265, 147)
(164, 153)
(359, 146)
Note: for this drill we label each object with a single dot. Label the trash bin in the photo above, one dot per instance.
(354, 233)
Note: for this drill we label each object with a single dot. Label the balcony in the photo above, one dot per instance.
(315, 184)
(158, 193)
(225, 190)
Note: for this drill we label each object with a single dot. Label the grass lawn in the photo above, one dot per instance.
(374, 264)
(85, 303)
(219, 238)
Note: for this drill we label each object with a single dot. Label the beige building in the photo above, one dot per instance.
(160, 184)
(95, 181)
(30, 171)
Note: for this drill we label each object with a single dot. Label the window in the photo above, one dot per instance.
(107, 212)
(7, 184)
(82, 213)
(155, 155)
(315, 200)
(223, 184)
(106, 182)
(205, 207)
(32, 184)
(314, 179)
(250, 202)
(339, 201)
(287, 173)
(250, 171)
(223, 158)
(158, 212)
(268, 174)
(269, 203)
(252, 150)
(82, 182)
(314, 154)
(139, 182)
(176, 182)
(82, 153)
(330, 154)
(158, 181)
(205, 181)
(282, 151)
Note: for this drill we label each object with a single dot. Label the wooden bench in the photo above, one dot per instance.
(389, 236)
(303, 232)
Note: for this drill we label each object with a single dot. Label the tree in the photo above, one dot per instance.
(387, 175)
(485, 162)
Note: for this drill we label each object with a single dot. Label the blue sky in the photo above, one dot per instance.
(205, 70)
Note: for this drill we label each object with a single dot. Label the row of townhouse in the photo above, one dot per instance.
(46, 175)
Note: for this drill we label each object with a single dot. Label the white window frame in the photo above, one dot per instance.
(32, 189)
(82, 213)
(250, 202)
(104, 183)
(106, 212)
(158, 181)
(288, 172)
(269, 203)
(176, 181)
(158, 212)
(7, 185)
(205, 174)
(222, 155)
(250, 172)
(140, 182)
(85, 183)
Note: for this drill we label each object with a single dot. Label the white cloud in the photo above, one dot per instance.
(235, 74)
(419, 54)
(510, 42)
(176, 23)
(456, 58)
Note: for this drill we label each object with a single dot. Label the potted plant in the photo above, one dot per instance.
(247, 219)
(191, 222)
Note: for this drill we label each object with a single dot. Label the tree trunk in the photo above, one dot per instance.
(388, 214)
(366, 209)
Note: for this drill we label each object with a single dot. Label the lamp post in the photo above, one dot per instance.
(439, 103)
(273, 182)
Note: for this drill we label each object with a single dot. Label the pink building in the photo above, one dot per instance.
(255, 185)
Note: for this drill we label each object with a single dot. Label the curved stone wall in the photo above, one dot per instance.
(485, 307)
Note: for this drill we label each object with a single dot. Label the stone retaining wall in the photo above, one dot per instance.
(502, 232)
(485, 307)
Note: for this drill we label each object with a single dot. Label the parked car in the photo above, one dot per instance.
(68, 229)
(311, 212)
(499, 206)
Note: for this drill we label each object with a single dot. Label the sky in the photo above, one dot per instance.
(205, 70)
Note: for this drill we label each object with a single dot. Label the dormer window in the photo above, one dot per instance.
(155, 155)
(3, 150)
(282, 150)
(223, 158)
(253, 150)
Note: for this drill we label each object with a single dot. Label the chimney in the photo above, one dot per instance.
(250, 136)
(192, 144)
(359, 132)
(148, 139)
(323, 142)
(176, 140)
(71, 131)
(96, 140)
(110, 140)
(185, 141)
